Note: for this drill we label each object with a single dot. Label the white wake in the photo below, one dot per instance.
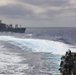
(38, 45)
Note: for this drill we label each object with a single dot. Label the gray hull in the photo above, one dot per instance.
(16, 30)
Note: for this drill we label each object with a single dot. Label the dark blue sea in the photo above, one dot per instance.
(35, 52)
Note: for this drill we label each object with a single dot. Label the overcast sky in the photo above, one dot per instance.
(39, 13)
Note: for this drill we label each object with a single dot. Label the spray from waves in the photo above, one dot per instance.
(37, 45)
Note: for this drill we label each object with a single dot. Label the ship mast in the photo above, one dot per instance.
(0, 21)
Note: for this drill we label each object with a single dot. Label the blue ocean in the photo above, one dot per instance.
(35, 52)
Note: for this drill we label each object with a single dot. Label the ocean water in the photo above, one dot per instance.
(35, 52)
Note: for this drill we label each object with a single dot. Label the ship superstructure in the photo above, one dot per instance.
(9, 28)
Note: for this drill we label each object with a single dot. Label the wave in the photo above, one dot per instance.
(38, 45)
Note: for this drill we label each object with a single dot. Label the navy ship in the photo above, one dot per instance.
(9, 28)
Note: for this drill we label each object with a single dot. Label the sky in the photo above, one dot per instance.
(39, 13)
